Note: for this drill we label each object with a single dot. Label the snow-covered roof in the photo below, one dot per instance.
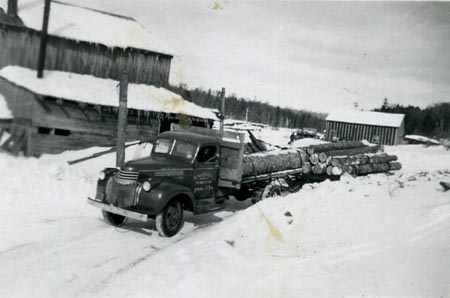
(369, 118)
(93, 90)
(5, 112)
(89, 25)
(422, 139)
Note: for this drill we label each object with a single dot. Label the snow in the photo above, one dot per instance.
(369, 118)
(305, 142)
(79, 23)
(422, 139)
(5, 112)
(379, 235)
(93, 90)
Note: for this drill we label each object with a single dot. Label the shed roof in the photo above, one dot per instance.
(93, 90)
(368, 118)
(84, 24)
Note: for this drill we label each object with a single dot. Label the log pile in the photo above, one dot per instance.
(332, 159)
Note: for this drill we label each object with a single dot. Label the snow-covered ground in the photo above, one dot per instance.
(380, 235)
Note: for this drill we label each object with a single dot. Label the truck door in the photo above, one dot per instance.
(206, 169)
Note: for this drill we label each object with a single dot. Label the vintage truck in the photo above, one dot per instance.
(192, 170)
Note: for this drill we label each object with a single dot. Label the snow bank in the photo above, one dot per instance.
(367, 237)
(5, 112)
(85, 24)
(369, 118)
(93, 90)
(380, 235)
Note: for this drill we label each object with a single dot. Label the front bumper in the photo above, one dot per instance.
(117, 210)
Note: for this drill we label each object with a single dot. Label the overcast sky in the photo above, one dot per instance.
(318, 56)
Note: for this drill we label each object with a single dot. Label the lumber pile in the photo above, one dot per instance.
(354, 158)
(332, 159)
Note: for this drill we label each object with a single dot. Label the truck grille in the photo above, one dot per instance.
(126, 177)
(120, 195)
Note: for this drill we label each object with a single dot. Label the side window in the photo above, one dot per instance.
(207, 154)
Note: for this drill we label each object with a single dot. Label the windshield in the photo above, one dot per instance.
(163, 146)
(175, 148)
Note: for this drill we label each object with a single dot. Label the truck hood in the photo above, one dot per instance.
(155, 163)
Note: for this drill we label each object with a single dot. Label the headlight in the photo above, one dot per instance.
(102, 175)
(146, 186)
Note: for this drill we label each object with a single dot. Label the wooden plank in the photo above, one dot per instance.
(29, 142)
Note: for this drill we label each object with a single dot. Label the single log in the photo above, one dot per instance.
(306, 167)
(347, 169)
(380, 158)
(355, 151)
(314, 158)
(271, 161)
(395, 166)
(323, 157)
(361, 159)
(349, 160)
(336, 171)
(334, 146)
(376, 168)
(319, 168)
(330, 170)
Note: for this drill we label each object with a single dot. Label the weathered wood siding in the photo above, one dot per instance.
(357, 132)
(54, 125)
(20, 46)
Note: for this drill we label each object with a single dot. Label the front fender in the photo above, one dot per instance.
(101, 184)
(157, 198)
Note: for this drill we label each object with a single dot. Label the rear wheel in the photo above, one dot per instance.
(113, 219)
(170, 220)
(272, 189)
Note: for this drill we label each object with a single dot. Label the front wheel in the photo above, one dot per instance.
(113, 219)
(170, 220)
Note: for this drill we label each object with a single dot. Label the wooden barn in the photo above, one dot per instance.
(375, 127)
(71, 111)
(82, 40)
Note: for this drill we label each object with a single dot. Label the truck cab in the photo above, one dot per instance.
(186, 171)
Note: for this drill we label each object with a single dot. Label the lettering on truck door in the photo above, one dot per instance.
(204, 180)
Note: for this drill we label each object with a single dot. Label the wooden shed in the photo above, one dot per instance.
(84, 41)
(375, 127)
(71, 111)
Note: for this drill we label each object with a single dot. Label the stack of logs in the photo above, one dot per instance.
(331, 159)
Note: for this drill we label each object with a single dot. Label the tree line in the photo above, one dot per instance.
(432, 121)
(252, 110)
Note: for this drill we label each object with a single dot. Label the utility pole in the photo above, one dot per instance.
(43, 44)
(122, 120)
(222, 111)
(12, 8)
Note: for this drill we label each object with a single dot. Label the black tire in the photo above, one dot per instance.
(170, 220)
(271, 190)
(113, 219)
(243, 194)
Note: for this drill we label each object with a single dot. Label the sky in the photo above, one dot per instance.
(318, 56)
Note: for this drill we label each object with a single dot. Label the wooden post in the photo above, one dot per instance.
(122, 120)
(43, 44)
(222, 111)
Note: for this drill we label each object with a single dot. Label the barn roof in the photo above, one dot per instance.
(93, 90)
(84, 24)
(368, 118)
